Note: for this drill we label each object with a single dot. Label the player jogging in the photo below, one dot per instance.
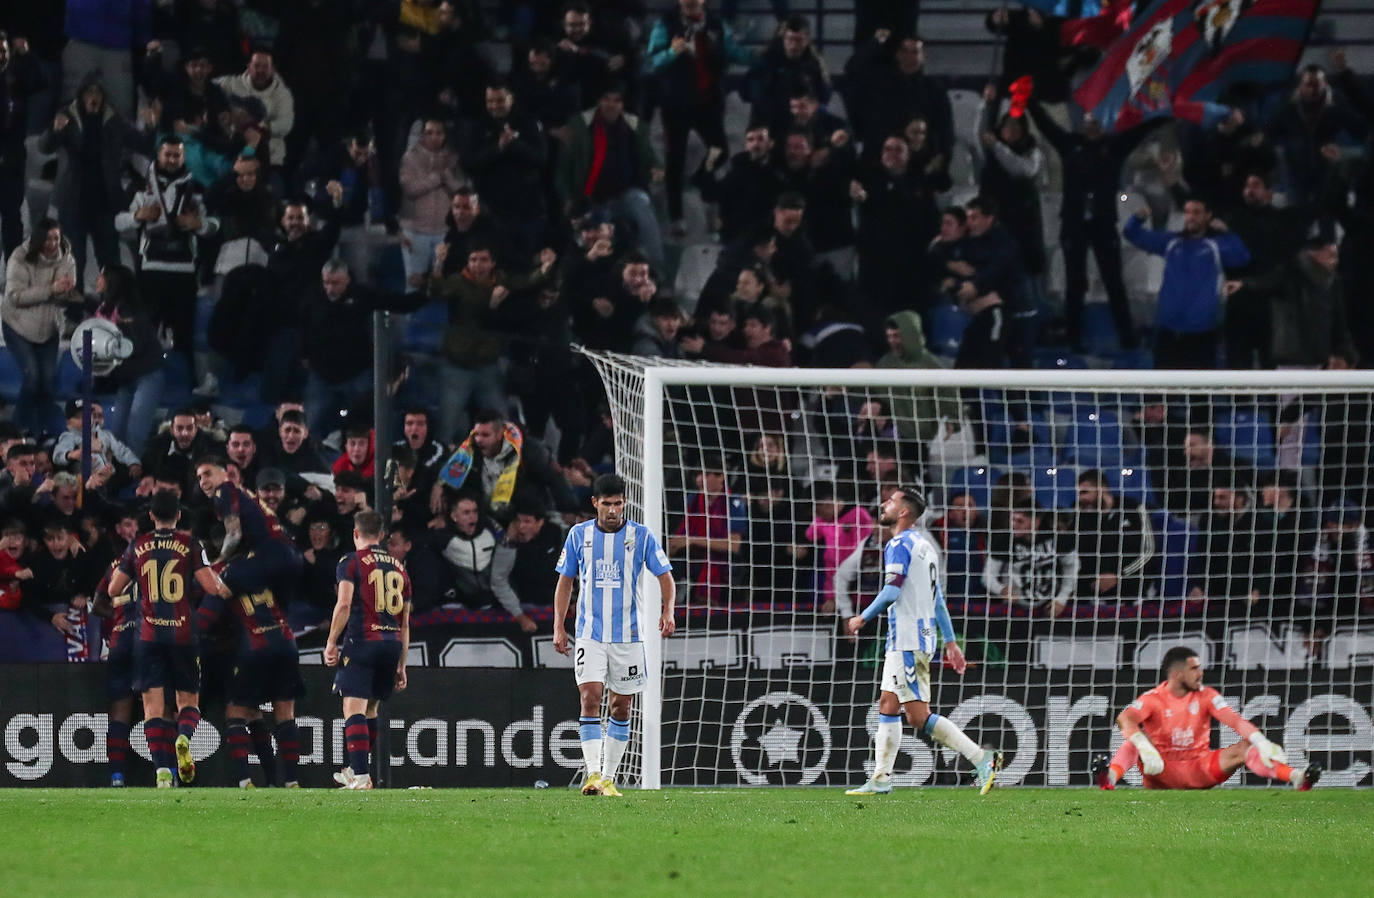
(163, 564)
(1168, 730)
(256, 553)
(607, 557)
(915, 606)
(373, 612)
(265, 669)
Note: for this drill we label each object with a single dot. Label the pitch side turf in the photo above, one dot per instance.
(198, 842)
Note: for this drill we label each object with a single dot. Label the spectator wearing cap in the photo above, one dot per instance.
(106, 450)
(261, 82)
(270, 487)
(608, 160)
(689, 49)
(429, 177)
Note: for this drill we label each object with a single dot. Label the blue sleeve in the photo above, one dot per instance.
(879, 604)
(660, 52)
(345, 569)
(896, 560)
(655, 559)
(1151, 241)
(1233, 250)
(942, 616)
(569, 559)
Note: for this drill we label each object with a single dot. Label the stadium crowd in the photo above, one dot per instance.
(296, 166)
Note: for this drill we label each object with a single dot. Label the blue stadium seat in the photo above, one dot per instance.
(1055, 486)
(1099, 330)
(975, 480)
(1247, 433)
(425, 329)
(947, 326)
(1174, 542)
(1131, 483)
(1004, 435)
(1094, 439)
(390, 270)
(68, 376)
(10, 378)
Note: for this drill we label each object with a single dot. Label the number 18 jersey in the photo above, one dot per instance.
(381, 589)
(912, 563)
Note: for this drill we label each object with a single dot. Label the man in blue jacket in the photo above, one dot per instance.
(1195, 259)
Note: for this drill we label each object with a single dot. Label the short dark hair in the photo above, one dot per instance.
(490, 416)
(19, 450)
(762, 316)
(358, 433)
(958, 213)
(218, 461)
(164, 507)
(984, 204)
(790, 199)
(1093, 476)
(527, 504)
(1175, 657)
(169, 140)
(368, 523)
(291, 416)
(796, 22)
(1198, 198)
(184, 412)
(914, 499)
(417, 410)
(244, 428)
(608, 485)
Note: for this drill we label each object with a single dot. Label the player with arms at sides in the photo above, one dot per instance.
(373, 612)
(256, 554)
(915, 606)
(122, 613)
(266, 669)
(607, 557)
(162, 566)
(1169, 731)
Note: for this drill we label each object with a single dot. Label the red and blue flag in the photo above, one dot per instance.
(1178, 57)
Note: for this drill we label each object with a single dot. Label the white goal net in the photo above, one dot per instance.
(1088, 521)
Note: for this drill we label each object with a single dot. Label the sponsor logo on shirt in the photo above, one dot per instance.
(1182, 737)
(607, 574)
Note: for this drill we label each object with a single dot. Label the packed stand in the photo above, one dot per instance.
(240, 188)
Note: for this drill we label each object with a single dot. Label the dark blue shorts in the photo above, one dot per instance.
(367, 669)
(272, 565)
(268, 675)
(163, 665)
(119, 667)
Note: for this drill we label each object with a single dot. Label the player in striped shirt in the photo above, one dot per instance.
(1168, 730)
(607, 558)
(915, 606)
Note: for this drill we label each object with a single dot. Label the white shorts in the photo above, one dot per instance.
(619, 665)
(908, 675)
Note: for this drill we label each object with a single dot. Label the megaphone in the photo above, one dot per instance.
(109, 346)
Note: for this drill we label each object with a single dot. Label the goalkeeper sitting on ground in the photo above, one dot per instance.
(1169, 731)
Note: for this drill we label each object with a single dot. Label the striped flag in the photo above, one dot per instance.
(1178, 56)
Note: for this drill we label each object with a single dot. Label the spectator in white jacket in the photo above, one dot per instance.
(40, 281)
(261, 80)
(429, 178)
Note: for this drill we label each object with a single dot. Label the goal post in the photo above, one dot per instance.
(1236, 526)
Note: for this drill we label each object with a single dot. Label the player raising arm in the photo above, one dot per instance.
(915, 605)
(607, 557)
(374, 608)
(1169, 731)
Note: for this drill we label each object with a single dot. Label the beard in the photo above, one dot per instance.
(887, 519)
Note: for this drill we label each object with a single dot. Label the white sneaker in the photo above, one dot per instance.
(209, 386)
(345, 776)
(360, 782)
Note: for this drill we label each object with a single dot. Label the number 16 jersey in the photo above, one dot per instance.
(381, 589)
(163, 564)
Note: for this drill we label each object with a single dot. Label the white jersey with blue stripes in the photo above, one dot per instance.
(608, 568)
(911, 561)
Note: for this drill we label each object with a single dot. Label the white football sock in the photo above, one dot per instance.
(947, 734)
(615, 750)
(886, 742)
(591, 754)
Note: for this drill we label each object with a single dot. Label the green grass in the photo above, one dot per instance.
(197, 842)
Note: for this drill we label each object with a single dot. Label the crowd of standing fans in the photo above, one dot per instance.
(239, 185)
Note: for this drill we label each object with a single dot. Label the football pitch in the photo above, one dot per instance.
(685, 842)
